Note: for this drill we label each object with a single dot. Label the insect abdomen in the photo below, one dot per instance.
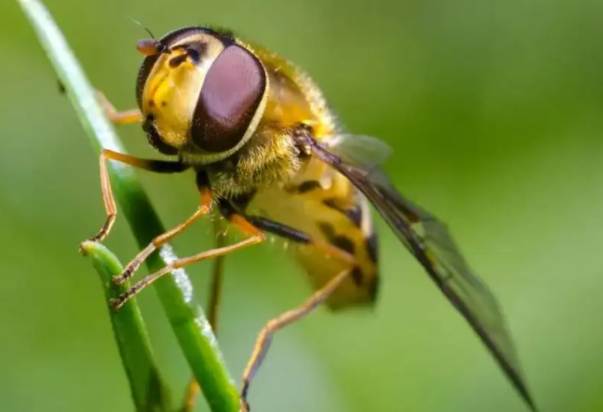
(324, 205)
(350, 229)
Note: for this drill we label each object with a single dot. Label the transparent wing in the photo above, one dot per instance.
(430, 242)
(364, 151)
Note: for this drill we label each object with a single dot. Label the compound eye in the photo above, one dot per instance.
(229, 98)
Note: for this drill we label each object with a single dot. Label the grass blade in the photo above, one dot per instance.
(147, 387)
(175, 292)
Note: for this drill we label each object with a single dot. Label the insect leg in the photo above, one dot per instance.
(118, 117)
(193, 389)
(254, 234)
(190, 397)
(265, 337)
(162, 239)
(157, 166)
(216, 284)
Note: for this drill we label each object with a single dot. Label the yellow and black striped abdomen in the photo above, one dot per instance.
(323, 204)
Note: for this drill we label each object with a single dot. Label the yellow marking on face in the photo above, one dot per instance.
(171, 93)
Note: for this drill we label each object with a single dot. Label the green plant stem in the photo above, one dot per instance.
(175, 292)
(149, 392)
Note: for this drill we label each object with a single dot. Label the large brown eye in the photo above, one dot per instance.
(230, 95)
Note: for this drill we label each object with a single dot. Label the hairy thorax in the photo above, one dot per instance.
(270, 158)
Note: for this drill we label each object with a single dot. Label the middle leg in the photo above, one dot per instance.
(254, 234)
(203, 209)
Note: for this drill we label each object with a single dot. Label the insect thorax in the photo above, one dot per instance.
(269, 158)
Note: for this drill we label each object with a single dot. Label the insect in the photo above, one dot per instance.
(270, 156)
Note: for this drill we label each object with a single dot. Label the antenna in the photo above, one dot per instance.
(143, 27)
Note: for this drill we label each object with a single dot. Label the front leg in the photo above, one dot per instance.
(157, 166)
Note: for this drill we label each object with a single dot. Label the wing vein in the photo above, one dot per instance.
(430, 242)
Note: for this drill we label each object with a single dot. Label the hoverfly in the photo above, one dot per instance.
(270, 155)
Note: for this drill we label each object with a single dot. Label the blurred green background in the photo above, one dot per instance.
(494, 111)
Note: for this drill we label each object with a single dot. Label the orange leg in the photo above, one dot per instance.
(265, 337)
(158, 166)
(190, 397)
(118, 117)
(162, 239)
(255, 236)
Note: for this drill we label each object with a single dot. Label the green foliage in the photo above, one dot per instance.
(146, 384)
